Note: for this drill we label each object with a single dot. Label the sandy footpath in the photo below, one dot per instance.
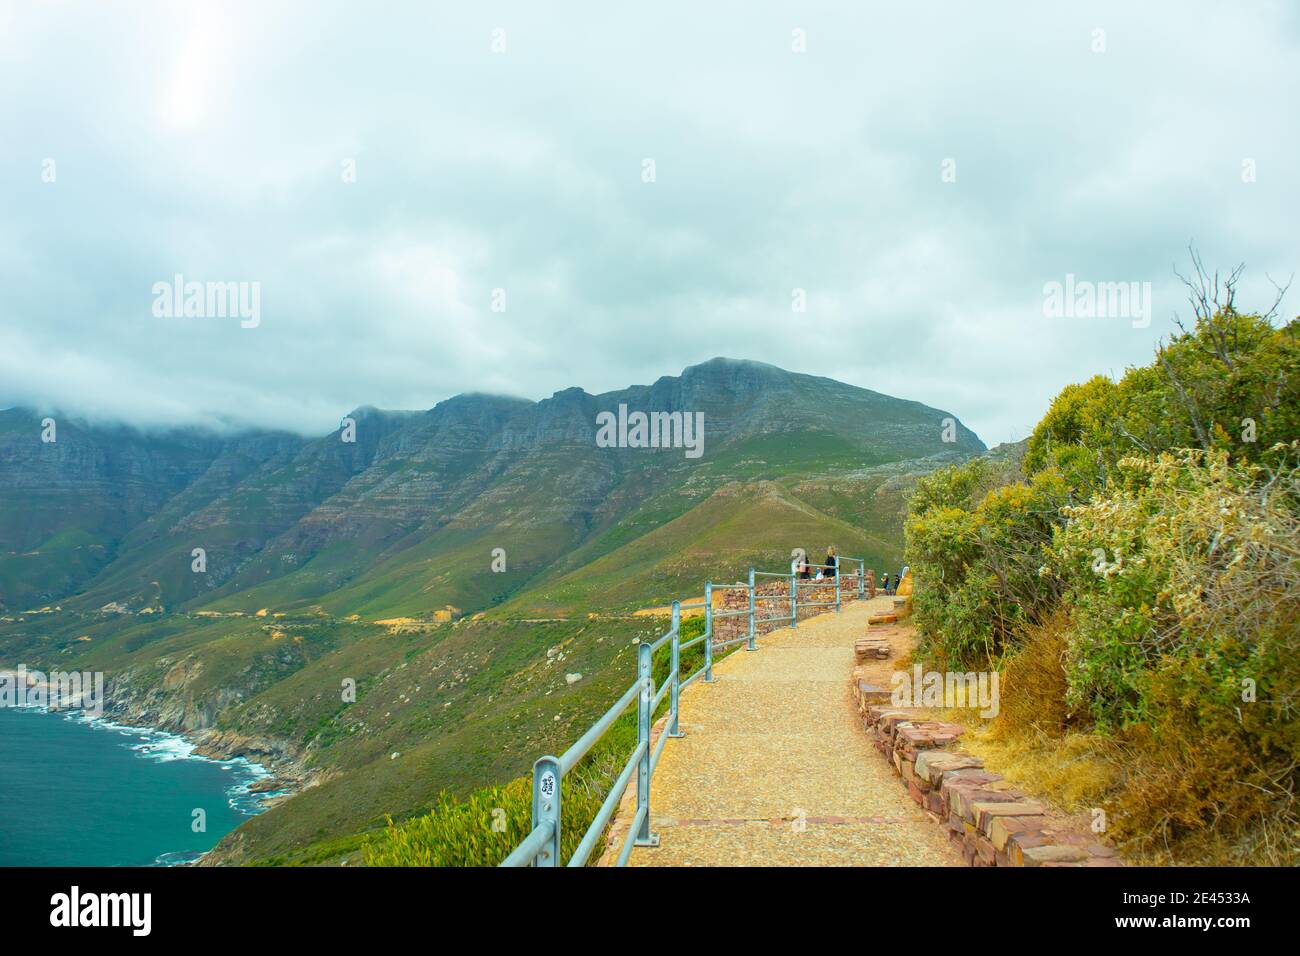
(774, 769)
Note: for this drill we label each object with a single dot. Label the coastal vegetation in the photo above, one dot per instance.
(1135, 576)
(482, 828)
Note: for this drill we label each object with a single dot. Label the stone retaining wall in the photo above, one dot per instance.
(772, 599)
(993, 824)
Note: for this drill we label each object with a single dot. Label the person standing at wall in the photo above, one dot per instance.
(799, 563)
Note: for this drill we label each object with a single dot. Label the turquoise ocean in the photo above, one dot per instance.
(82, 792)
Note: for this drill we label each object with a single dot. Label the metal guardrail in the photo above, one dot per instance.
(542, 845)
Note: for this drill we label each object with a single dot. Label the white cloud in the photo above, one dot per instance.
(207, 139)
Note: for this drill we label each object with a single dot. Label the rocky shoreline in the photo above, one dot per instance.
(171, 706)
(176, 701)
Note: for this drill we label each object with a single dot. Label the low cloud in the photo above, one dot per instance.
(218, 147)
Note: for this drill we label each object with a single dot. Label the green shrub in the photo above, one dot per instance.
(478, 830)
(1140, 585)
(459, 831)
(1203, 390)
(979, 569)
(1191, 555)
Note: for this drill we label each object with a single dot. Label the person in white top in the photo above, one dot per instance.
(799, 563)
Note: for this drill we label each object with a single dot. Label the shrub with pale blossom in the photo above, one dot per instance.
(1210, 569)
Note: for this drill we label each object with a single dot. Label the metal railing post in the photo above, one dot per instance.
(546, 808)
(837, 586)
(794, 601)
(676, 676)
(643, 837)
(750, 646)
(708, 633)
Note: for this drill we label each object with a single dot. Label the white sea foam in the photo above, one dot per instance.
(162, 746)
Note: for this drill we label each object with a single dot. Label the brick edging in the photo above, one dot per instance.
(992, 824)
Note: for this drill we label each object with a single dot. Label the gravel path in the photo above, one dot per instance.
(775, 769)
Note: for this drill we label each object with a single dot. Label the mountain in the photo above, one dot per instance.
(111, 515)
(375, 553)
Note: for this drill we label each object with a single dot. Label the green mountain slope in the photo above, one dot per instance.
(741, 525)
(327, 537)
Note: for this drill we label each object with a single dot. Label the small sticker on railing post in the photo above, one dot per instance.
(547, 785)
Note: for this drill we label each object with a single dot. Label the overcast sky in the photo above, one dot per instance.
(213, 141)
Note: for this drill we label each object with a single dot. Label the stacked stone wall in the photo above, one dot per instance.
(772, 600)
(992, 823)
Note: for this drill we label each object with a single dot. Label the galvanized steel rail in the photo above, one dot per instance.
(542, 845)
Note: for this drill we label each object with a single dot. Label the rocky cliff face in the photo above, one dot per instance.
(87, 480)
(181, 702)
(110, 515)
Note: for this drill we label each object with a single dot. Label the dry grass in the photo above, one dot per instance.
(1031, 741)
(1076, 772)
(1157, 790)
(1155, 796)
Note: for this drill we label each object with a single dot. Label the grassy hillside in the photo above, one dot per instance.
(741, 525)
(468, 704)
(311, 543)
